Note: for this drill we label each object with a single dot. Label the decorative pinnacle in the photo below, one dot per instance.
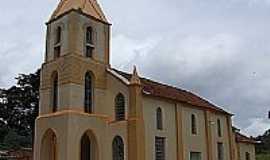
(135, 79)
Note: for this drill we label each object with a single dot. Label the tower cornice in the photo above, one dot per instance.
(79, 11)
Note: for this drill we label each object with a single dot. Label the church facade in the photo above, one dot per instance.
(91, 111)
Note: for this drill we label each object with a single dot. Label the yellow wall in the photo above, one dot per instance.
(73, 36)
(50, 40)
(169, 127)
(194, 143)
(187, 142)
(114, 87)
(71, 123)
(246, 147)
(225, 135)
(69, 127)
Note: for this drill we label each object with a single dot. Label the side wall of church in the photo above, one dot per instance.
(225, 138)
(114, 87)
(169, 127)
(182, 144)
(193, 142)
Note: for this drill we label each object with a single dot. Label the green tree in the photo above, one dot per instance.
(15, 141)
(19, 109)
(264, 146)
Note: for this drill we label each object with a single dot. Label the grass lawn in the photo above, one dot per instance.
(263, 157)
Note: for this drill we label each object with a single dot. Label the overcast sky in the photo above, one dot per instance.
(219, 49)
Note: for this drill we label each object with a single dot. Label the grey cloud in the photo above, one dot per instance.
(219, 68)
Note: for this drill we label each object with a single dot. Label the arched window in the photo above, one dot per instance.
(219, 128)
(118, 148)
(55, 92)
(88, 93)
(193, 124)
(48, 146)
(89, 148)
(85, 148)
(57, 44)
(119, 107)
(89, 46)
(159, 119)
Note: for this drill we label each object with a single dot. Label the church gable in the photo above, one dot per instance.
(116, 88)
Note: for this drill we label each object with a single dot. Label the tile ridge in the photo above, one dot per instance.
(186, 92)
(84, 4)
(97, 11)
(58, 8)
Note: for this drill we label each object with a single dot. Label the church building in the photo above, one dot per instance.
(91, 111)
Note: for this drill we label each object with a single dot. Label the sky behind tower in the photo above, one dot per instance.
(219, 49)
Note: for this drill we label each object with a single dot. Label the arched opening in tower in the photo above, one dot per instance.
(89, 148)
(49, 146)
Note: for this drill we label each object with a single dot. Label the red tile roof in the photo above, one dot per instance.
(160, 90)
(240, 138)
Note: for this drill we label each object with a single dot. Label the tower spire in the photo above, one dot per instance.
(88, 7)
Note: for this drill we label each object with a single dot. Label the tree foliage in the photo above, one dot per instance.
(264, 146)
(18, 111)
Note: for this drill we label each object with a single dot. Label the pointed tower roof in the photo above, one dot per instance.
(88, 7)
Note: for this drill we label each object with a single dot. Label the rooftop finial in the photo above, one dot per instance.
(135, 79)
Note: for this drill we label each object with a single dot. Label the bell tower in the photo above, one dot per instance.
(78, 27)
(77, 43)
(73, 80)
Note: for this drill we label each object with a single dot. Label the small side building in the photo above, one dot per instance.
(244, 146)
